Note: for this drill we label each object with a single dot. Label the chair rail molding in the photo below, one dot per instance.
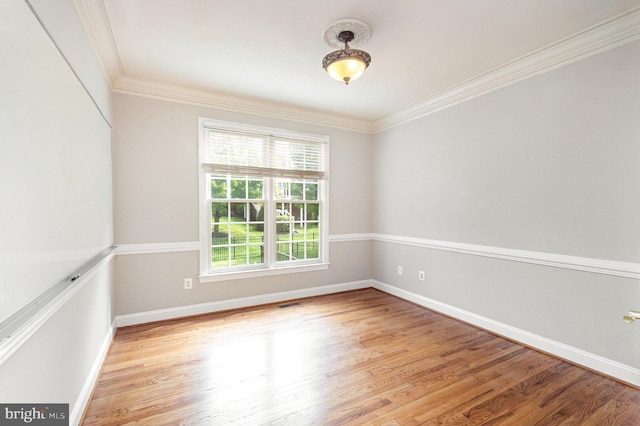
(586, 264)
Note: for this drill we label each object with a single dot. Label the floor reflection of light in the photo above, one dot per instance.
(265, 374)
(233, 363)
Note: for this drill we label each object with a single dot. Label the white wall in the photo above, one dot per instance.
(549, 166)
(156, 202)
(63, 24)
(60, 356)
(59, 363)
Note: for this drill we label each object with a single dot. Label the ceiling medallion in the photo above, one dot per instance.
(346, 64)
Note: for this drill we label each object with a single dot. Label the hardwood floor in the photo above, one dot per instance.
(361, 357)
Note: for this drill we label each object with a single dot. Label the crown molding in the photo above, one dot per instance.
(95, 20)
(236, 103)
(606, 35)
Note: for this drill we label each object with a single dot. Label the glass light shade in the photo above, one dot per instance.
(347, 70)
(347, 64)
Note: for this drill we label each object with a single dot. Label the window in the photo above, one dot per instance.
(262, 201)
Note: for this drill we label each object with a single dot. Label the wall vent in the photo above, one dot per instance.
(288, 305)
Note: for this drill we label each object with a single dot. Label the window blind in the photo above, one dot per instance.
(244, 153)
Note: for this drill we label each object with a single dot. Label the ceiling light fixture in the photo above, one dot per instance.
(346, 64)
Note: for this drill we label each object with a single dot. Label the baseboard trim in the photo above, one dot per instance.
(85, 394)
(577, 356)
(225, 305)
(597, 363)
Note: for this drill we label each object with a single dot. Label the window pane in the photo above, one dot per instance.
(311, 190)
(297, 211)
(239, 232)
(287, 189)
(313, 211)
(283, 251)
(219, 209)
(256, 212)
(312, 232)
(239, 188)
(297, 190)
(218, 187)
(238, 255)
(239, 212)
(282, 211)
(219, 233)
(256, 253)
(282, 189)
(256, 238)
(219, 212)
(255, 189)
(313, 251)
(283, 218)
(219, 257)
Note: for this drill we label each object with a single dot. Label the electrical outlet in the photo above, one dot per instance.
(188, 283)
(400, 270)
(421, 275)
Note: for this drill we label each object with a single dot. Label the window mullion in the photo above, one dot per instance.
(269, 224)
(209, 204)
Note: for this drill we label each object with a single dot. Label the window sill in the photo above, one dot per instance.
(238, 275)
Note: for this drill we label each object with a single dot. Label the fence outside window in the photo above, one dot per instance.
(235, 248)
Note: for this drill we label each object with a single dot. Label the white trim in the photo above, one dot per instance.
(345, 238)
(173, 247)
(225, 305)
(149, 248)
(262, 272)
(604, 36)
(135, 86)
(94, 18)
(595, 362)
(9, 345)
(587, 264)
(85, 394)
(204, 213)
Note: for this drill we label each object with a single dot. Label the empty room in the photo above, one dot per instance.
(341, 213)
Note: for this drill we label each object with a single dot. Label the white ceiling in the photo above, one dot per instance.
(269, 52)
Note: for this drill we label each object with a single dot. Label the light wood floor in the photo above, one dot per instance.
(361, 357)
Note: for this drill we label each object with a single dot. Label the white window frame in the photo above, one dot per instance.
(270, 267)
